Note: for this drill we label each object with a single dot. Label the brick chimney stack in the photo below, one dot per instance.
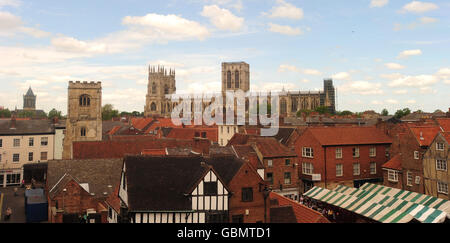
(13, 122)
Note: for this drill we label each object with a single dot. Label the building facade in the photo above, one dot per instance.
(435, 167)
(161, 82)
(84, 114)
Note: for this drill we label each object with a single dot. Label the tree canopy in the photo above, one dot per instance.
(108, 112)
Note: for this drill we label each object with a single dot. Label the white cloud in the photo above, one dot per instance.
(236, 4)
(391, 101)
(223, 19)
(341, 76)
(274, 86)
(12, 3)
(428, 20)
(69, 44)
(11, 24)
(408, 53)
(284, 29)
(411, 102)
(291, 68)
(362, 88)
(391, 76)
(419, 7)
(376, 102)
(378, 3)
(402, 91)
(285, 10)
(414, 81)
(427, 90)
(394, 66)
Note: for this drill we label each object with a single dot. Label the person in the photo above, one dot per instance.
(8, 214)
(15, 191)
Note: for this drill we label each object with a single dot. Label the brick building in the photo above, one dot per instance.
(341, 155)
(435, 166)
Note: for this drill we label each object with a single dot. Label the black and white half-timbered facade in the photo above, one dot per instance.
(172, 190)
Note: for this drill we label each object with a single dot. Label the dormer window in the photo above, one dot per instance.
(85, 100)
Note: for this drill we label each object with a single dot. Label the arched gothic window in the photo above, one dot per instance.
(83, 132)
(153, 107)
(85, 100)
(166, 89)
(154, 88)
(283, 106)
(229, 79)
(236, 79)
(294, 105)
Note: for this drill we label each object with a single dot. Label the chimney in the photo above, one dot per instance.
(13, 122)
(55, 120)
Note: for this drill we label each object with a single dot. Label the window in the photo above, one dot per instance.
(210, 188)
(356, 152)
(393, 175)
(109, 213)
(83, 132)
(373, 168)
(229, 79)
(44, 141)
(16, 142)
(85, 100)
(338, 153)
(197, 134)
(416, 154)
(236, 79)
(409, 178)
(339, 170)
(16, 158)
(442, 187)
(308, 153)
(203, 134)
(1, 143)
(287, 178)
(43, 156)
(269, 163)
(270, 178)
(0, 157)
(31, 142)
(247, 194)
(441, 164)
(307, 168)
(154, 88)
(356, 169)
(288, 162)
(373, 152)
(440, 146)
(123, 181)
(30, 156)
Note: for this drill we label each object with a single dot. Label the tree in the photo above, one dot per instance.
(54, 113)
(401, 113)
(6, 113)
(303, 111)
(385, 112)
(345, 113)
(322, 110)
(108, 112)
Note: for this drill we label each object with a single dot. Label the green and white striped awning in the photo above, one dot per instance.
(384, 204)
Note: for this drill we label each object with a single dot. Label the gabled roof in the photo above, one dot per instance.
(226, 166)
(162, 183)
(284, 134)
(330, 136)
(100, 174)
(282, 215)
(302, 213)
(24, 127)
(395, 163)
(424, 134)
(271, 148)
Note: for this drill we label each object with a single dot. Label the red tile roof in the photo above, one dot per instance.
(140, 123)
(113, 199)
(444, 123)
(271, 148)
(328, 136)
(394, 163)
(302, 213)
(161, 151)
(190, 133)
(114, 130)
(425, 134)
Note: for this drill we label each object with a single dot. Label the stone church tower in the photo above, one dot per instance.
(235, 76)
(29, 101)
(84, 114)
(161, 82)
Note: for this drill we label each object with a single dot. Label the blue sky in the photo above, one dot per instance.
(380, 53)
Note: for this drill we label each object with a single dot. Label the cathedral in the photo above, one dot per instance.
(235, 76)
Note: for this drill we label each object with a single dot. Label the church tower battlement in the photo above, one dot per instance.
(161, 82)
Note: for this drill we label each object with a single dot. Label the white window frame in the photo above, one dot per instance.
(440, 148)
(307, 152)
(373, 152)
(16, 142)
(31, 141)
(286, 182)
(46, 156)
(392, 175)
(307, 168)
(44, 139)
(409, 178)
(339, 168)
(373, 168)
(355, 152)
(270, 163)
(338, 153)
(357, 169)
(441, 164)
(18, 158)
(442, 187)
(416, 155)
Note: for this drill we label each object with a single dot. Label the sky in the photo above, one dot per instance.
(380, 53)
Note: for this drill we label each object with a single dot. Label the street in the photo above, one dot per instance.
(16, 203)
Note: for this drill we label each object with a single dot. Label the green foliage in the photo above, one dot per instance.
(344, 113)
(54, 113)
(303, 111)
(401, 113)
(385, 112)
(5, 113)
(108, 112)
(322, 110)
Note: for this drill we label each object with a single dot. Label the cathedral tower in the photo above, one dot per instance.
(29, 101)
(235, 76)
(161, 82)
(84, 114)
